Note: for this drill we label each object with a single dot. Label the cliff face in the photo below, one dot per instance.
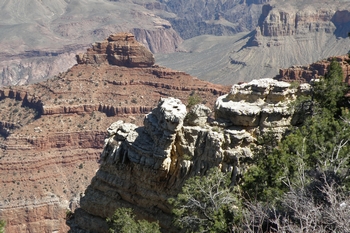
(40, 39)
(283, 33)
(314, 70)
(215, 17)
(276, 34)
(141, 167)
(288, 22)
(51, 132)
(120, 50)
(293, 20)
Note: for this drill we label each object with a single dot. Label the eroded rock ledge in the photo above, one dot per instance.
(52, 132)
(141, 167)
(120, 49)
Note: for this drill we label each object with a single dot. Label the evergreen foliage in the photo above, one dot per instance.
(2, 226)
(205, 204)
(123, 221)
(193, 99)
(320, 145)
(298, 184)
(330, 91)
(269, 169)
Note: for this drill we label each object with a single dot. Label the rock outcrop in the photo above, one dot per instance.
(261, 103)
(286, 33)
(51, 132)
(118, 49)
(315, 70)
(36, 48)
(141, 167)
(290, 19)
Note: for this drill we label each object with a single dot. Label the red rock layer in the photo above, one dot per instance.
(314, 71)
(47, 161)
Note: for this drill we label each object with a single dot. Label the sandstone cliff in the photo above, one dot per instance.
(314, 70)
(51, 132)
(296, 19)
(120, 50)
(40, 38)
(301, 21)
(141, 167)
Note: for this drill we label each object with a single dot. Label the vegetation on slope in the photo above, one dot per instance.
(300, 184)
(2, 226)
(123, 221)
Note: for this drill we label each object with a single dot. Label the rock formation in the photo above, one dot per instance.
(285, 33)
(313, 71)
(51, 132)
(291, 19)
(118, 49)
(141, 167)
(301, 21)
(41, 39)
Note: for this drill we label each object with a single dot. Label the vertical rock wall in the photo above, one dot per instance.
(142, 167)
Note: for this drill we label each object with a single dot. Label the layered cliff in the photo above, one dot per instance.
(141, 167)
(284, 33)
(315, 70)
(40, 39)
(302, 20)
(215, 17)
(286, 20)
(52, 132)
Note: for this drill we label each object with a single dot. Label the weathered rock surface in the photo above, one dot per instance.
(215, 17)
(300, 20)
(286, 33)
(315, 70)
(141, 167)
(51, 133)
(41, 38)
(281, 33)
(198, 115)
(118, 49)
(260, 103)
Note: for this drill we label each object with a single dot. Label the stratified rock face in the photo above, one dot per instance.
(280, 20)
(291, 21)
(314, 70)
(261, 103)
(141, 167)
(198, 115)
(213, 17)
(41, 38)
(151, 146)
(118, 49)
(52, 133)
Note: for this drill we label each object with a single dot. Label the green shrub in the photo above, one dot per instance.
(123, 221)
(193, 99)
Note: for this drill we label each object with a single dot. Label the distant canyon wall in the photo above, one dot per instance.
(279, 21)
(35, 66)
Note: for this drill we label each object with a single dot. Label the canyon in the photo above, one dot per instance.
(224, 42)
(143, 166)
(286, 33)
(40, 39)
(52, 132)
